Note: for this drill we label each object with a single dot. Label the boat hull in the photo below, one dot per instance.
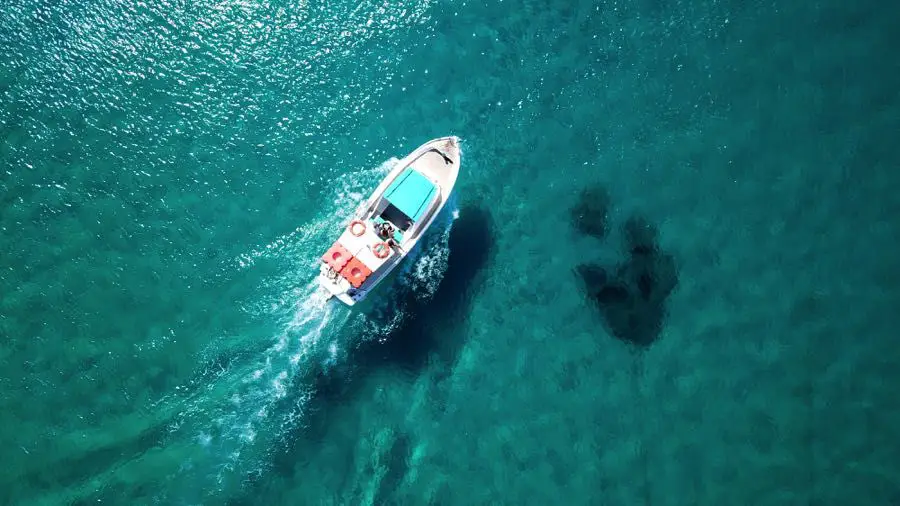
(383, 231)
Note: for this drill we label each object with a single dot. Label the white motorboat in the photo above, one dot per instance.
(389, 224)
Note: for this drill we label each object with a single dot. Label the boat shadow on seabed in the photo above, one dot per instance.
(428, 335)
(413, 342)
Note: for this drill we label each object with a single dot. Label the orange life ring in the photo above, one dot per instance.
(381, 250)
(357, 226)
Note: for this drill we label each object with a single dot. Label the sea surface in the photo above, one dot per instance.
(669, 273)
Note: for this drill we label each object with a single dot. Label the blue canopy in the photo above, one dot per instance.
(411, 193)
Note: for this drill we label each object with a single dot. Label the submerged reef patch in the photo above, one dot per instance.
(630, 295)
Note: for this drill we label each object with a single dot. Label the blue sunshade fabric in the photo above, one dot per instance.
(411, 193)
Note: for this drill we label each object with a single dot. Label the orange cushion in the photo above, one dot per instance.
(355, 272)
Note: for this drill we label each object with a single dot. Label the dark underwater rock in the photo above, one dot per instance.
(612, 294)
(640, 236)
(592, 274)
(631, 297)
(589, 215)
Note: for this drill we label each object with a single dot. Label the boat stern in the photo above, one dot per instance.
(337, 286)
(355, 263)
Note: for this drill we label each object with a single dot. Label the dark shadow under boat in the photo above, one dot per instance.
(429, 335)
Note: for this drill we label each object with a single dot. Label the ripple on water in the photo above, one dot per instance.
(145, 146)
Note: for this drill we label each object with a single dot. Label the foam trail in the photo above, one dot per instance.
(252, 414)
(424, 268)
(261, 394)
(254, 394)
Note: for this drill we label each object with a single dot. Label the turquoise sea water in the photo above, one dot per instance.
(669, 274)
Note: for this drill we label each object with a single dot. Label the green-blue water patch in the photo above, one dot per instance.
(170, 172)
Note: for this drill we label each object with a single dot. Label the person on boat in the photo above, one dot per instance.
(384, 230)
